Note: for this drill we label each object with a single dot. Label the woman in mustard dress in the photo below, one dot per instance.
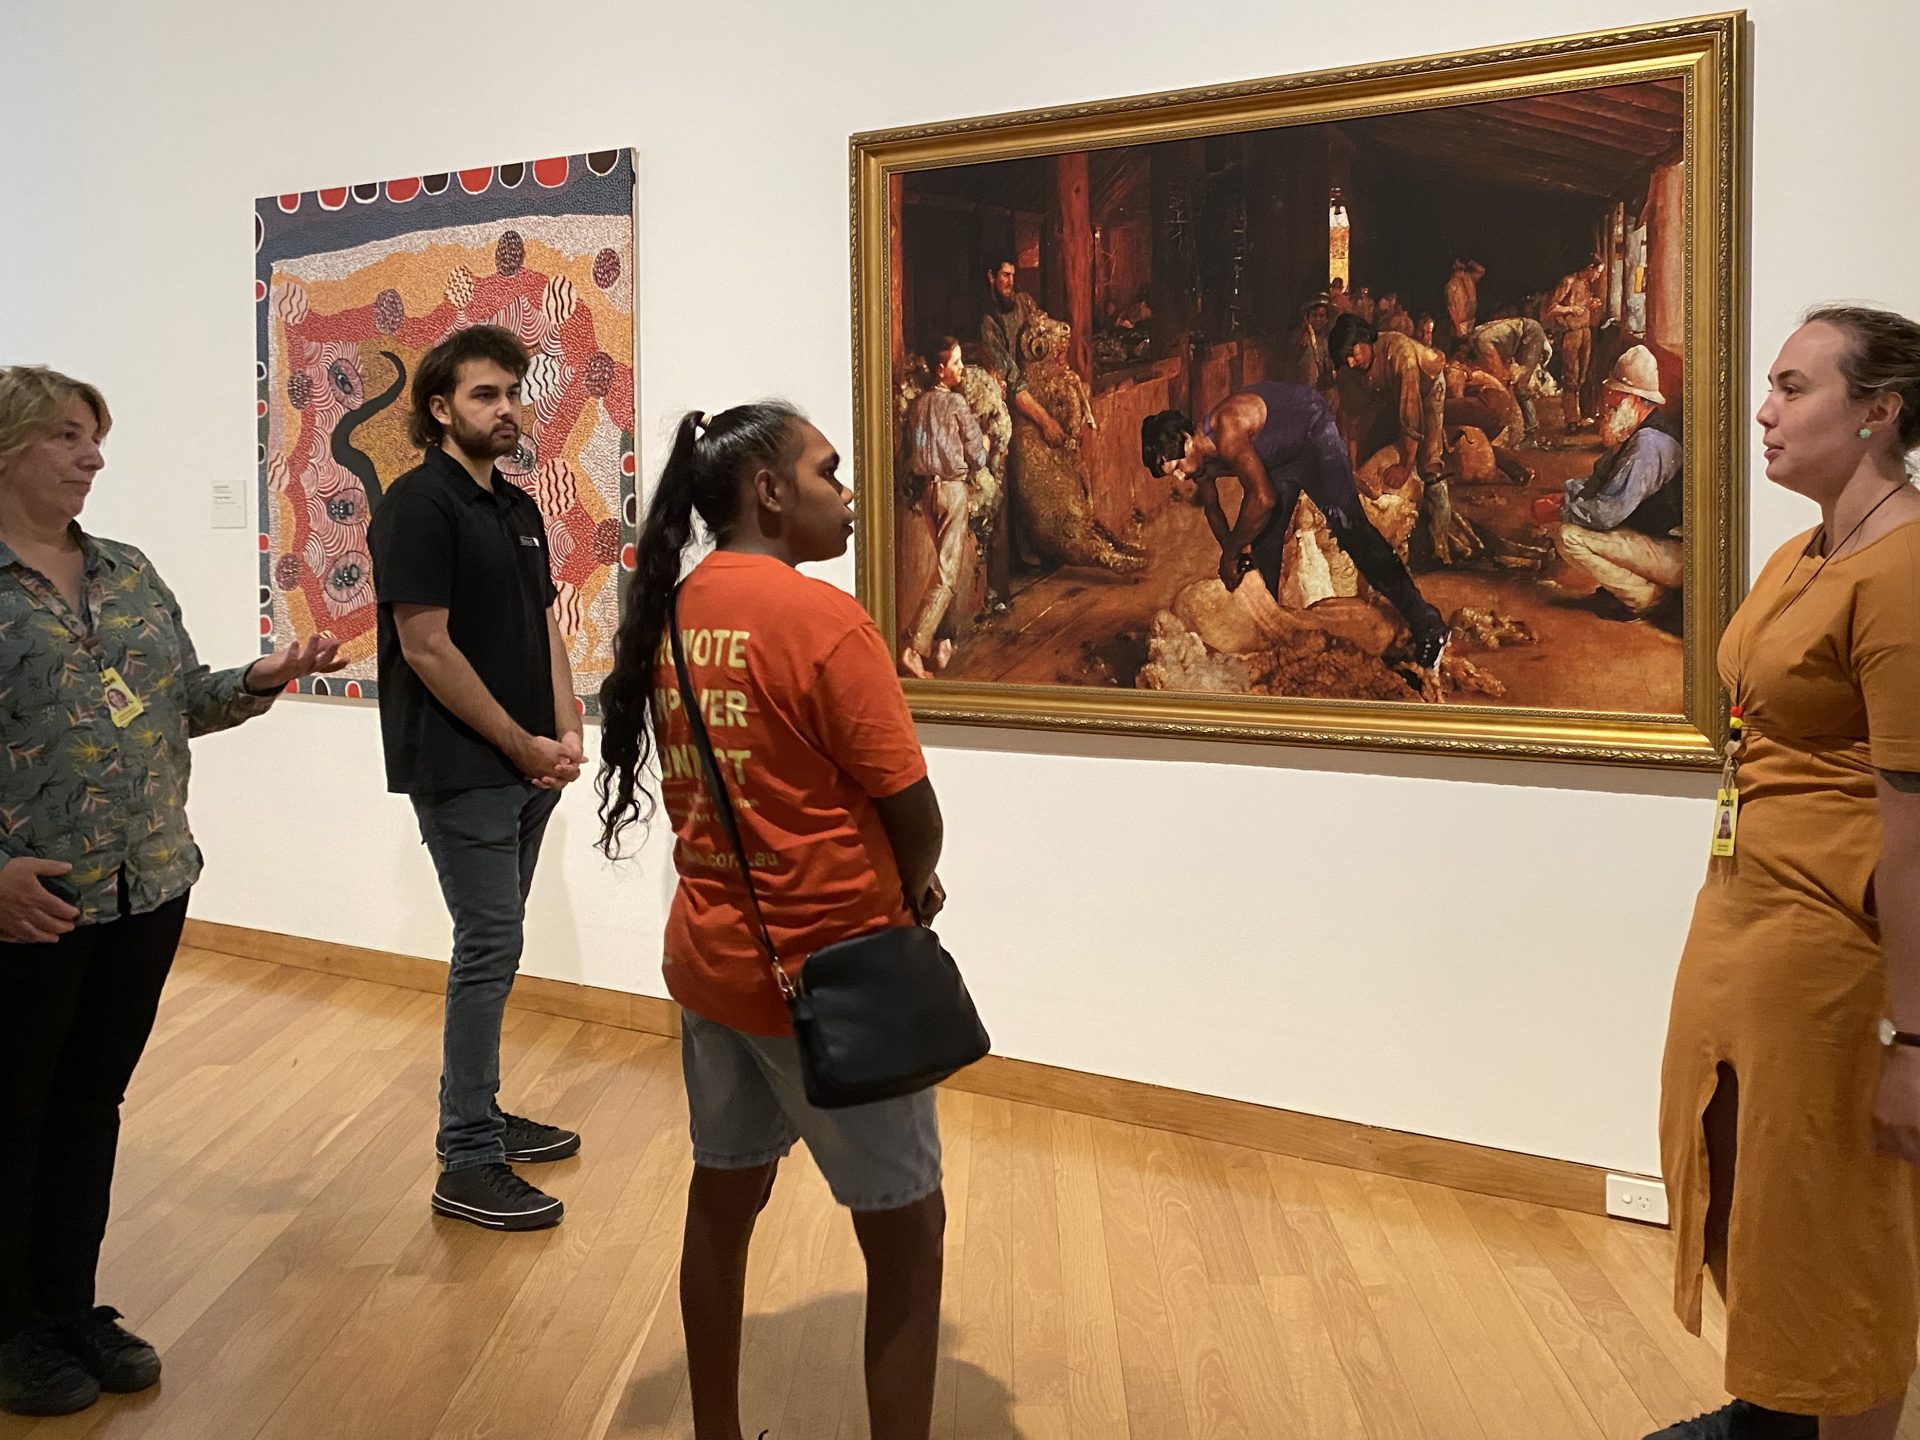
(1790, 1110)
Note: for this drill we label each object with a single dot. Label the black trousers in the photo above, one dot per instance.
(1324, 474)
(74, 1017)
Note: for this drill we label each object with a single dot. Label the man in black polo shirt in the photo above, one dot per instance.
(478, 718)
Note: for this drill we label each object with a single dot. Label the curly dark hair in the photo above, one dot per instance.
(1163, 439)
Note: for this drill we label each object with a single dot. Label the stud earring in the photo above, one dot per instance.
(1866, 431)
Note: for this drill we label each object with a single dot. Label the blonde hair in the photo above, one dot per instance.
(31, 399)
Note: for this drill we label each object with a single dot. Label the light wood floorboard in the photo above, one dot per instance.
(1106, 1280)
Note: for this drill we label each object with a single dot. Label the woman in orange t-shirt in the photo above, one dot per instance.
(812, 736)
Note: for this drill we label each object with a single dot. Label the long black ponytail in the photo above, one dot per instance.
(702, 476)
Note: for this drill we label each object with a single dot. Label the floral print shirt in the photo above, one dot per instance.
(76, 787)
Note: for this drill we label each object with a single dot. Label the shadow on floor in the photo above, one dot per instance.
(821, 1331)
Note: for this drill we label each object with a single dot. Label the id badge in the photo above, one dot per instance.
(122, 704)
(1726, 820)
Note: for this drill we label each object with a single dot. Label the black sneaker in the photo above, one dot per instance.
(121, 1361)
(494, 1197)
(38, 1377)
(1743, 1421)
(528, 1142)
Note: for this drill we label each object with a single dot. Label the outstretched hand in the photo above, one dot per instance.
(315, 655)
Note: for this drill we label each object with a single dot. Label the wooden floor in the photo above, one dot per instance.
(272, 1236)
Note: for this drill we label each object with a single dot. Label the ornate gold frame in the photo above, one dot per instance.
(1708, 53)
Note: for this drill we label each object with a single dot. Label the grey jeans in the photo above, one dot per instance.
(484, 844)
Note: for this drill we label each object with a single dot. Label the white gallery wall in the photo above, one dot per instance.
(1476, 950)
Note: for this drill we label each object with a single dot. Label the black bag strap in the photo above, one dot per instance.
(722, 800)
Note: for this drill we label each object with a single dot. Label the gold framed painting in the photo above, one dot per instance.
(1392, 407)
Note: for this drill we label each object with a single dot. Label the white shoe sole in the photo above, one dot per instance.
(541, 1219)
(563, 1150)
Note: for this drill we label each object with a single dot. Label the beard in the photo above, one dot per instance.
(479, 443)
(1619, 422)
(1003, 303)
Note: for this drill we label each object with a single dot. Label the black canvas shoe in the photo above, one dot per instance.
(121, 1361)
(528, 1142)
(494, 1197)
(1743, 1421)
(38, 1377)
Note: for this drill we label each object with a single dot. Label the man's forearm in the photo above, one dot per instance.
(1216, 520)
(1254, 514)
(566, 714)
(452, 680)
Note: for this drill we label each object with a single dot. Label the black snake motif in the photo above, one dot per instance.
(355, 461)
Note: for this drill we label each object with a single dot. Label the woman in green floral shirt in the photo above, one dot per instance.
(100, 691)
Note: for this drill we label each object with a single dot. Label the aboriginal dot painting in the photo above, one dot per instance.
(351, 287)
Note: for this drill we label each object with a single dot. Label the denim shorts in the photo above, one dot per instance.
(747, 1106)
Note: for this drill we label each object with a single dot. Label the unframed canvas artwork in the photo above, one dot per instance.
(352, 286)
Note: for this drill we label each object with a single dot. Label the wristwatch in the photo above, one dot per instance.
(1890, 1037)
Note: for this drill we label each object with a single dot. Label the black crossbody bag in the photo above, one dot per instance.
(879, 1015)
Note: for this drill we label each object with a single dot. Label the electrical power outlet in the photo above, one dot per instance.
(1629, 1197)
